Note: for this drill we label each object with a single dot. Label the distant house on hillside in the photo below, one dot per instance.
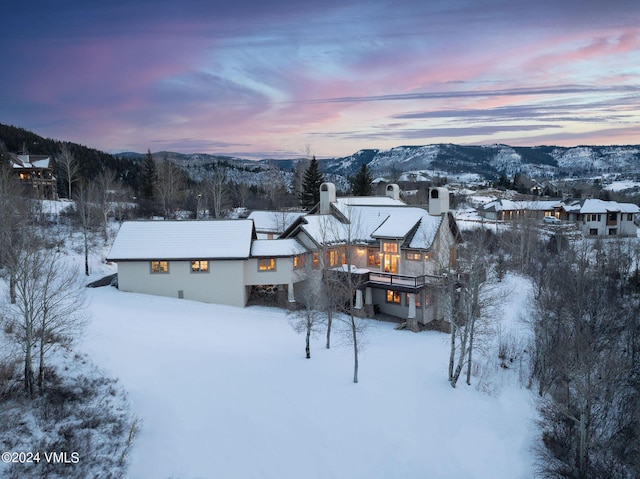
(36, 174)
(600, 218)
(398, 253)
(507, 210)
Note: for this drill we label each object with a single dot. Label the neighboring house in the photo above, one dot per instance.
(36, 174)
(399, 253)
(271, 224)
(507, 210)
(600, 218)
(209, 261)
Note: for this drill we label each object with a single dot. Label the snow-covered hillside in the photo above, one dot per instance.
(227, 392)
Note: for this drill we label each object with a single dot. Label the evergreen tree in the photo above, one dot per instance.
(313, 178)
(148, 176)
(362, 184)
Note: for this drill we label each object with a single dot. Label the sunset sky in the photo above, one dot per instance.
(286, 78)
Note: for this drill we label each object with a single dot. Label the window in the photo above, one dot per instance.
(612, 217)
(414, 256)
(333, 257)
(267, 264)
(316, 259)
(373, 257)
(593, 232)
(298, 261)
(393, 296)
(390, 247)
(200, 266)
(159, 266)
(629, 217)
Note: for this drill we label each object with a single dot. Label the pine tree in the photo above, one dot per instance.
(362, 184)
(313, 178)
(148, 177)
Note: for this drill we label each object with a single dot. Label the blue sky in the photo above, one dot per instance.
(285, 79)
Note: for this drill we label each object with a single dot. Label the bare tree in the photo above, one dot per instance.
(217, 188)
(12, 214)
(474, 293)
(88, 216)
(309, 318)
(169, 186)
(48, 309)
(68, 164)
(106, 186)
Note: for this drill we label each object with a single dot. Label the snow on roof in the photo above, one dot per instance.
(510, 205)
(370, 223)
(145, 240)
(278, 247)
(342, 203)
(600, 206)
(274, 221)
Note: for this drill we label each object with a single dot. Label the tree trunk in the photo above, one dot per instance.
(355, 350)
(469, 358)
(41, 366)
(28, 368)
(329, 321)
(307, 348)
(86, 254)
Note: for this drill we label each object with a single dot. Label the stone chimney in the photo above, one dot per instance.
(327, 196)
(393, 191)
(438, 201)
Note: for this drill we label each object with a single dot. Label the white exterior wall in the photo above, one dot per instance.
(627, 226)
(222, 284)
(283, 274)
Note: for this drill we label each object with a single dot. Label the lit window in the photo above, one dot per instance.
(373, 257)
(333, 257)
(200, 266)
(267, 264)
(316, 259)
(393, 296)
(298, 261)
(390, 247)
(159, 266)
(414, 256)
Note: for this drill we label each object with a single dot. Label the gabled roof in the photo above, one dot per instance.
(510, 205)
(173, 240)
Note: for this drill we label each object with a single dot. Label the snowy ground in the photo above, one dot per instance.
(226, 393)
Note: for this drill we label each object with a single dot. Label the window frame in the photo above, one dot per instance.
(200, 268)
(413, 256)
(392, 295)
(270, 266)
(158, 263)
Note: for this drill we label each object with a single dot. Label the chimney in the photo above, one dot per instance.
(393, 191)
(327, 196)
(438, 201)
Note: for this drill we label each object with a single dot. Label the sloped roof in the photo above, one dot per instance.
(510, 205)
(145, 240)
(591, 205)
(279, 247)
(274, 221)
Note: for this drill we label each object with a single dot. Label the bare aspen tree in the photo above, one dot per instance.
(88, 217)
(12, 215)
(48, 309)
(169, 186)
(69, 166)
(218, 191)
(474, 298)
(309, 318)
(106, 185)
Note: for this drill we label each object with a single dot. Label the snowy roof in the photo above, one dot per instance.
(600, 206)
(144, 240)
(278, 247)
(510, 205)
(369, 223)
(341, 203)
(274, 221)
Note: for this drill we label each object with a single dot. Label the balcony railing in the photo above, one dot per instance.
(400, 280)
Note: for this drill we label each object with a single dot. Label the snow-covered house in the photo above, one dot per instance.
(398, 252)
(36, 174)
(505, 210)
(600, 218)
(209, 261)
